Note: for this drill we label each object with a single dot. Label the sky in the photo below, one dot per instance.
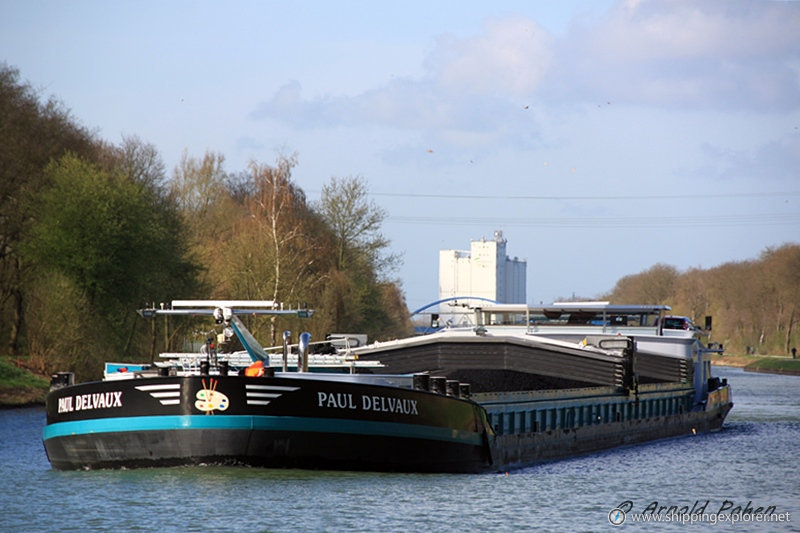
(601, 137)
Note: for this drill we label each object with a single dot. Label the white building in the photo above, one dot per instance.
(484, 271)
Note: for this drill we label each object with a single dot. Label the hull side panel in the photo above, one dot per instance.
(278, 449)
(519, 450)
(271, 422)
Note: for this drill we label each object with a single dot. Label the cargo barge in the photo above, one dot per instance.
(487, 398)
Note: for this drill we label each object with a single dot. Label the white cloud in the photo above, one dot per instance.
(509, 58)
(735, 54)
(774, 163)
(474, 91)
(288, 105)
(732, 55)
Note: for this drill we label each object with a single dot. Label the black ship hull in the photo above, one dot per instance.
(272, 422)
(320, 424)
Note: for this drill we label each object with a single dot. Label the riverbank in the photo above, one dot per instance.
(20, 387)
(734, 360)
(776, 365)
(768, 364)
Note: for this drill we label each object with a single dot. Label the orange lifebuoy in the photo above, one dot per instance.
(256, 370)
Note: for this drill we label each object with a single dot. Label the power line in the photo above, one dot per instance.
(641, 222)
(696, 196)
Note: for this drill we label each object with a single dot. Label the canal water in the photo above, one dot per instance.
(752, 461)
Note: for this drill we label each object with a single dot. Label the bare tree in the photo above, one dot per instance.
(355, 221)
(277, 254)
(199, 184)
(653, 286)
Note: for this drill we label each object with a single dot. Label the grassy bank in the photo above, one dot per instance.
(759, 363)
(736, 360)
(776, 365)
(20, 387)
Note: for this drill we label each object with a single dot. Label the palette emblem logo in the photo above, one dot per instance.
(209, 399)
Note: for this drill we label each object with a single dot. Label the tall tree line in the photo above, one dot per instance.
(258, 237)
(91, 231)
(88, 233)
(754, 304)
(33, 133)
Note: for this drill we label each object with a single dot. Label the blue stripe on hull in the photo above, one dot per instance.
(262, 423)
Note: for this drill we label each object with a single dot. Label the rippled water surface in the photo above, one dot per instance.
(753, 459)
